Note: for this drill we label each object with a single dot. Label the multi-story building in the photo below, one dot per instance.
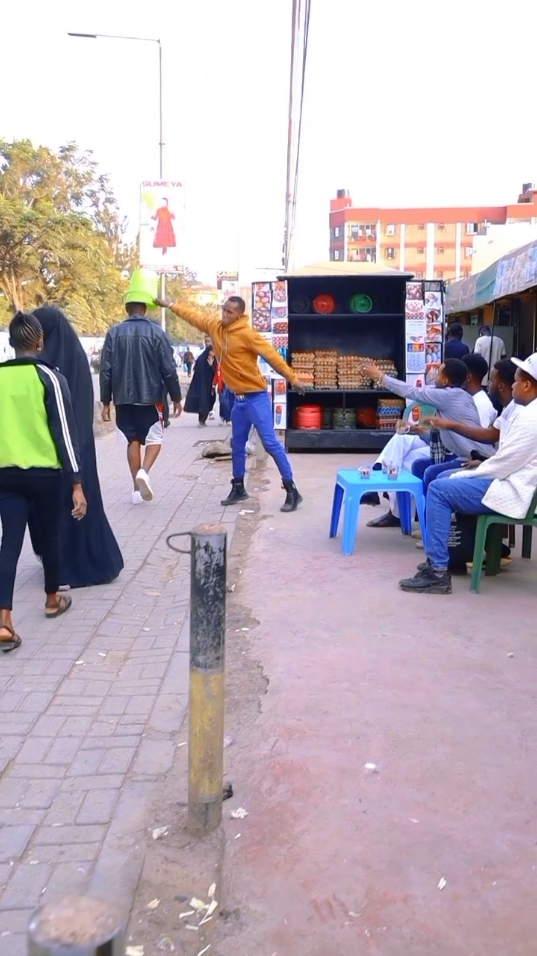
(432, 243)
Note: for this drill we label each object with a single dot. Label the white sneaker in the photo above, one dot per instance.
(137, 498)
(144, 486)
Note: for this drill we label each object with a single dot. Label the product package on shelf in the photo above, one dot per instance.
(389, 412)
(303, 364)
(325, 369)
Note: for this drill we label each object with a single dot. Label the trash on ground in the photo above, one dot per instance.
(202, 951)
(211, 908)
(159, 833)
(511, 654)
(153, 904)
(195, 929)
(371, 768)
(198, 905)
(239, 814)
(238, 835)
(102, 654)
(166, 945)
(212, 890)
(247, 511)
(227, 792)
(231, 588)
(413, 820)
(228, 741)
(442, 883)
(188, 913)
(134, 951)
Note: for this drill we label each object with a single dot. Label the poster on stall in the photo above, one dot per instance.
(162, 226)
(424, 330)
(279, 403)
(270, 317)
(227, 284)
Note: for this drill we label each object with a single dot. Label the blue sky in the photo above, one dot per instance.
(406, 104)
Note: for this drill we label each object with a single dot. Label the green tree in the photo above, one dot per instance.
(60, 234)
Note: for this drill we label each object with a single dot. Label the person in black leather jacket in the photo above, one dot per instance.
(137, 366)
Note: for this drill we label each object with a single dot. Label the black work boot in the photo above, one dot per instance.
(292, 498)
(237, 494)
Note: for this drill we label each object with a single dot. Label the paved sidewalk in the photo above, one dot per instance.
(90, 703)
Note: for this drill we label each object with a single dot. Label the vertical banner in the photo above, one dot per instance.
(162, 226)
(424, 330)
(227, 284)
(270, 317)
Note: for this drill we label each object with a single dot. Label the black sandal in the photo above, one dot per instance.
(61, 607)
(15, 641)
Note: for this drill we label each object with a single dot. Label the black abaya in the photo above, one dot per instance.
(89, 551)
(201, 394)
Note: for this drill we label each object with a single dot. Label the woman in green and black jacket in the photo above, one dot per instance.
(38, 442)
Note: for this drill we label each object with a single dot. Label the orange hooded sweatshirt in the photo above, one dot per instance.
(237, 348)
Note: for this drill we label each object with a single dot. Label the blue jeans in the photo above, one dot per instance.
(255, 409)
(422, 467)
(445, 496)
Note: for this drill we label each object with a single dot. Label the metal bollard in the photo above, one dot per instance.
(77, 926)
(207, 654)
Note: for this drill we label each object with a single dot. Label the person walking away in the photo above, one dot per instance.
(237, 347)
(451, 399)
(89, 552)
(38, 441)
(188, 359)
(137, 364)
(455, 347)
(505, 484)
(491, 347)
(201, 394)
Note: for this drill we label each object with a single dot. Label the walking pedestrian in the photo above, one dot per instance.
(237, 347)
(38, 441)
(188, 359)
(89, 552)
(201, 394)
(137, 364)
(491, 347)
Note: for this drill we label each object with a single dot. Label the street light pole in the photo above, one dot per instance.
(110, 36)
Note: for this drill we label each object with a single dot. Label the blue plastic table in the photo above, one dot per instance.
(350, 488)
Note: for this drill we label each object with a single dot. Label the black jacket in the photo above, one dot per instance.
(137, 359)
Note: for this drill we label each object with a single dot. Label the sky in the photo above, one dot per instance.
(413, 103)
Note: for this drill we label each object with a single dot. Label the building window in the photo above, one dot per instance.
(336, 232)
(421, 250)
(336, 254)
(421, 226)
(441, 225)
(471, 228)
(468, 252)
(390, 252)
(440, 250)
(390, 230)
(363, 231)
(365, 254)
(439, 275)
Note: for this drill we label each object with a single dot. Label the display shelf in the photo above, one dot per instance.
(344, 391)
(331, 439)
(343, 315)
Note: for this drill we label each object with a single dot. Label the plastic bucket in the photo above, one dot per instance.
(144, 287)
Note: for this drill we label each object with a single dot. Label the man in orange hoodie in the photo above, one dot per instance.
(237, 347)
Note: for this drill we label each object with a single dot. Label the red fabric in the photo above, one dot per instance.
(164, 235)
(218, 381)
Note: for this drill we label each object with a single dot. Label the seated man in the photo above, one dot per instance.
(504, 483)
(477, 370)
(450, 398)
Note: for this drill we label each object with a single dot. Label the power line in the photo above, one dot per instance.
(300, 23)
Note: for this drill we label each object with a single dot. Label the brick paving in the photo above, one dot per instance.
(90, 704)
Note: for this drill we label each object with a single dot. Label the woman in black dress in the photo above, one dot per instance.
(89, 551)
(201, 394)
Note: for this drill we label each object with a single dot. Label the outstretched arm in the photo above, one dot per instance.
(190, 314)
(486, 435)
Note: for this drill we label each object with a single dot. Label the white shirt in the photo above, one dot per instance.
(485, 409)
(492, 348)
(514, 466)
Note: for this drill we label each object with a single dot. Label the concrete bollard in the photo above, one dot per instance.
(77, 926)
(207, 654)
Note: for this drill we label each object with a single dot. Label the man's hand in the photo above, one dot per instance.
(372, 370)
(441, 424)
(300, 387)
(177, 409)
(106, 414)
(471, 463)
(80, 505)
(164, 303)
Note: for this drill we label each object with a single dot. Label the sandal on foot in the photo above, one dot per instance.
(12, 644)
(61, 607)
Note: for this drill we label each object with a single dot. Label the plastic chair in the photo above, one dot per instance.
(489, 533)
(426, 411)
(349, 489)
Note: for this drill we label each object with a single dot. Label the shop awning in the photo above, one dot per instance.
(513, 273)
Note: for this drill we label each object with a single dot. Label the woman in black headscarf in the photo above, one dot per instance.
(201, 394)
(89, 551)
